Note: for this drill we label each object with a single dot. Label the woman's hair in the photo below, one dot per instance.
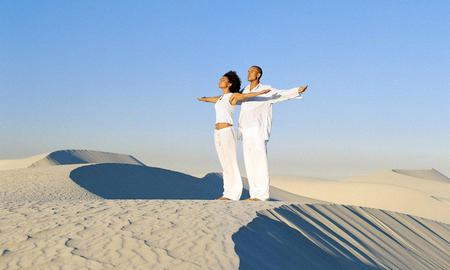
(234, 80)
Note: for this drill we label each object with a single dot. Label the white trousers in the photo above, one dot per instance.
(225, 142)
(256, 164)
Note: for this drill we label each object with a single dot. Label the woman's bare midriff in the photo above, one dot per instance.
(222, 125)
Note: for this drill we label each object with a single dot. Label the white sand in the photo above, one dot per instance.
(63, 217)
(431, 174)
(11, 164)
(41, 184)
(67, 157)
(179, 234)
(387, 190)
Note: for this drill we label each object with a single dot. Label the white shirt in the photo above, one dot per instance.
(256, 112)
(224, 110)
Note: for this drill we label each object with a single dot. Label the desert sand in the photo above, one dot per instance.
(81, 209)
(423, 193)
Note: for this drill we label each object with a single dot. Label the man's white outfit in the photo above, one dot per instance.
(225, 142)
(255, 122)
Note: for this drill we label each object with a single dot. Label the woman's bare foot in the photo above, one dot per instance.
(222, 198)
(253, 199)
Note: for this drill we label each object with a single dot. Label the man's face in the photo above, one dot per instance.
(253, 74)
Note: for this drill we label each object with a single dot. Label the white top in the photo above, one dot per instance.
(224, 110)
(256, 112)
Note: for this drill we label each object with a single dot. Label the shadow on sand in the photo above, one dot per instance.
(268, 243)
(126, 181)
(130, 181)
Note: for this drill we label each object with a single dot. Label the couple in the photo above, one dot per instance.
(255, 121)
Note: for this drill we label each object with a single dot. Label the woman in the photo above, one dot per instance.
(224, 134)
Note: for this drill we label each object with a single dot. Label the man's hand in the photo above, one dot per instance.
(302, 89)
(201, 98)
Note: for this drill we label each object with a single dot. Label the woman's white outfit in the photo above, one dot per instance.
(225, 142)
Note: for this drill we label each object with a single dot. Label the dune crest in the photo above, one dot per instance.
(65, 157)
(319, 236)
(387, 190)
(431, 174)
(12, 164)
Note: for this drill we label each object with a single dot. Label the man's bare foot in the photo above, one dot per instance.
(222, 198)
(253, 199)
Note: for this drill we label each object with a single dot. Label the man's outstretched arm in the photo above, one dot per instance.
(282, 95)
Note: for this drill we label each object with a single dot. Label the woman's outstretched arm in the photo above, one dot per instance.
(209, 99)
(238, 97)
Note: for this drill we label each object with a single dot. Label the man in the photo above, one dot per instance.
(255, 121)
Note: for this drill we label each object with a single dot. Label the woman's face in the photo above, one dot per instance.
(224, 82)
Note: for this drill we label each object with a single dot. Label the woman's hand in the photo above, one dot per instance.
(237, 97)
(201, 98)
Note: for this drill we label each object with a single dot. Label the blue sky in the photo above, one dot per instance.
(123, 76)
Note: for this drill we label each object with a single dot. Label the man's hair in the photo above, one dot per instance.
(259, 70)
(234, 80)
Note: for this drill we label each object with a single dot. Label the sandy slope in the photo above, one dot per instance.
(131, 234)
(11, 164)
(64, 157)
(113, 181)
(74, 217)
(183, 234)
(319, 236)
(431, 174)
(41, 184)
(388, 190)
(107, 180)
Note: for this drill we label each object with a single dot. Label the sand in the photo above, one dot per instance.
(184, 234)
(64, 157)
(388, 190)
(111, 211)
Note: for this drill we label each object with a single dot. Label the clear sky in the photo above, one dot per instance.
(123, 76)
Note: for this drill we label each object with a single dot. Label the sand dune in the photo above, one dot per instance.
(118, 234)
(403, 177)
(79, 209)
(114, 181)
(174, 234)
(64, 157)
(384, 190)
(11, 164)
(41, 184)
(431, 174)
(322, 236)
(439, 187)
